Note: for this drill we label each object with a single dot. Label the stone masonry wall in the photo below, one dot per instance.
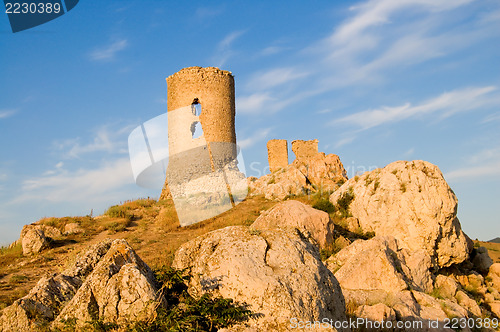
(304, 149)
(277, 154)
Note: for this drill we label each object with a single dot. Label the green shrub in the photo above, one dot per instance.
(324, 205)
(117, 211)
(344, 201)
(186, 313)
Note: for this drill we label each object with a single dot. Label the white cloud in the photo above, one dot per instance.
(105, 140)
(224, 50)
(378, 12)
(274, 77)
(6, 113)
(109, 52)
(259, 135)
(474, 172)
(79, 185)
(205, 12)
(447, 103)
(344, 141)
(254, 103)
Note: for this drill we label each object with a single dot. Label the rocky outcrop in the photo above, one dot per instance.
(494, 276)
(43, 302)
(294, 214)
(73, 228)
(318, 172)
(380, 264)
(120, 288)
(412, 202)
(34, 241)
(108, 282)
(277, 273)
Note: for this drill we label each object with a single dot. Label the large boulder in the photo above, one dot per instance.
(34, 241)
(412, 202)
(322, 171)
(108, 282)
(277, 273)
(294, 214)
(120, 288)
(493, 276)
(43, 303)
(49, 231)
(380, 264)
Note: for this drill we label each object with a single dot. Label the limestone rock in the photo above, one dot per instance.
(277, 273)
(41, 304)
(495, 308)
(322, 171)
(108, 282)
(45, 299)
(73, 228)
(412, 202)
(294, 214)
(379, 263)
(494, 276)
(34, 241)
(318, 172)
(377, 312)
(482, 260)
(467, 303)
(120, 288)
(446, 286)
(49, 231)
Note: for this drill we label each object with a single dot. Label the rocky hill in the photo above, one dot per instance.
(385, 247)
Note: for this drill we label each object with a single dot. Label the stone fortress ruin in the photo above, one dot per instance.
(202, 176)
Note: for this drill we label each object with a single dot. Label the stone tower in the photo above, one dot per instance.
(206, 164)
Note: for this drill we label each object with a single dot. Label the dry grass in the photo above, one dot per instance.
(150, 227)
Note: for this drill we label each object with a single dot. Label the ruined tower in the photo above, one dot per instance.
(201, 162)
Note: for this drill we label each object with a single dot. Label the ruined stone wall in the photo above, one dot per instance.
(304, 149)
(277, 154)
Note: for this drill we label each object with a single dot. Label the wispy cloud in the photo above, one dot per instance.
(109, 52)
(224, 48)
(447, 104)
(6, 113)
(259, 135)
(475, 172)
(254, 103)
(82, 184)
(106, 139)
(274, 77)
(205, 12)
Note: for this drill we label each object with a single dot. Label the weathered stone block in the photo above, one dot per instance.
(304, 149)
(277, 154)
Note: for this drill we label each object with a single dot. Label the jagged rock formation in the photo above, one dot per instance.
(277, 273)
(380, 264)
(294, 214)
(319, 172)
(109, 282)
(412, 202)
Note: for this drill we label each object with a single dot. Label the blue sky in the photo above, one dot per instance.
(374, 81)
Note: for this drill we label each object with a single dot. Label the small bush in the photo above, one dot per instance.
(344, 201)
(117, 211)
(186, 313)
(403, 187)
(324, 205)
